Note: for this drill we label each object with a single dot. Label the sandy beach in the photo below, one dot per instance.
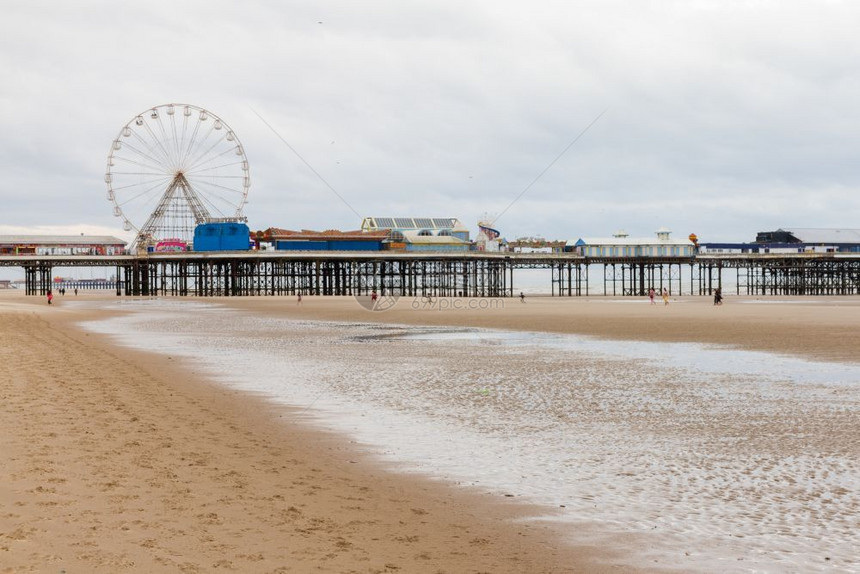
(123, 461)
(116, 461)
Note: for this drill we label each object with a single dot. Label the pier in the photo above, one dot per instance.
(471, 274)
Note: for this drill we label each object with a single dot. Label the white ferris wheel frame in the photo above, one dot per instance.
(177, 167)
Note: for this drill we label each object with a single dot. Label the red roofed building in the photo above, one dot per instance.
(328, 240)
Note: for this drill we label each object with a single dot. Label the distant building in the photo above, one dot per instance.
(536, 245)
(795, 240)
(813, 239)
(764, 248)
(423, 226)
(622, 245)
(423, 241)
(730, 248)
(421, 233)
(61, 245)
(329, 240)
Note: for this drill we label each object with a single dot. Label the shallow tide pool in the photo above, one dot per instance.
(706, 459)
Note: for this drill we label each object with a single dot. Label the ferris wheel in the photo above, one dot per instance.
(173, 167)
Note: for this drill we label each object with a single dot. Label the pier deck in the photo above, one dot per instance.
(471, 274)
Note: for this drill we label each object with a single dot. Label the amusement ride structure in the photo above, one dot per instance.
(172, 168)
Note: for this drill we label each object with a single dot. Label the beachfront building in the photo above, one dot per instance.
(622, 245)
(421, 233)
(61, 245)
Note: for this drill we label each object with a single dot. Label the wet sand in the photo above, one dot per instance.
(116, 461)
(823, 328)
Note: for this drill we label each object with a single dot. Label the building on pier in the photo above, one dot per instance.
(761, 248)
(536, 245)
(360, 240)
(787, 242)
(424, 241)
(816, 240)
(222, 236)
(329, 240)
(61, 245)
(418, 226)
(622, 245)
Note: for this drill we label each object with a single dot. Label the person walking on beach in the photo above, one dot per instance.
(50, 296)
(299, 299)
(522, 297)
(651, 295)
(665, 296)
(718, 297)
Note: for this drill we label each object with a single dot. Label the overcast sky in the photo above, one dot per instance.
(721, 118)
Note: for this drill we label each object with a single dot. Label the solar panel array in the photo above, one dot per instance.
(443, 223)
(414, 222)
(384, 222)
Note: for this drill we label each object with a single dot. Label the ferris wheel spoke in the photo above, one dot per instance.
(220, 155)
(175, 140)
(151, 147)
(183, 133)
(149, 176)
(153, 186)
(164, 138)
(226, 194)
(208, 167)
(159, 144)
(202, 155)
(205, 170)
(225, 179)
(161, 163)
(219, 187)
(181, 144)
(153, 169)
(171, 150)
(149, 204)
(192, 141)
(193, 151)
(218, 207)
(124, 188)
